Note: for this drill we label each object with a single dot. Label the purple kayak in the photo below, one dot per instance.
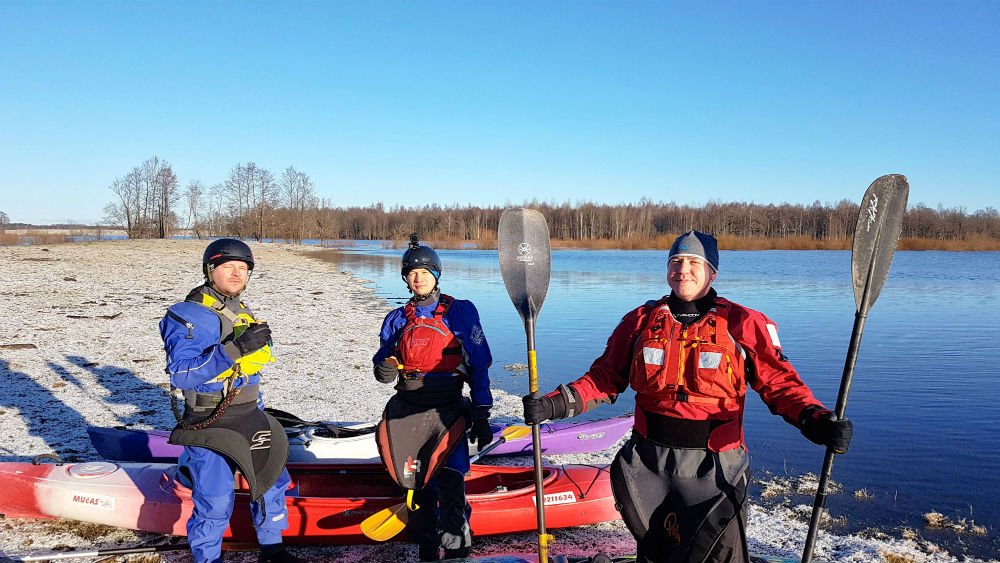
(322, 442)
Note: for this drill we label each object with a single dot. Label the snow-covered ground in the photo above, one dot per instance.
(79, 346)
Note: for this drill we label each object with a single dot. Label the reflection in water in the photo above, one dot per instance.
(924, 393)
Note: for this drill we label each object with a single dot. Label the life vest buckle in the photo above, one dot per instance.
(412, 375)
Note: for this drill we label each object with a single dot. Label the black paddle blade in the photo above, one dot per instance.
(525, 261)
(880, 221)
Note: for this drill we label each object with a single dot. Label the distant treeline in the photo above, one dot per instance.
(253, 203)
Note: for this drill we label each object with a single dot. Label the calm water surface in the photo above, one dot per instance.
(924, 398)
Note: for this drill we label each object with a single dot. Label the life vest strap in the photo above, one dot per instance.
(676, 432)
(207, 401)
(219, 307)
(682, 397)
(442, 308)
(433, 391)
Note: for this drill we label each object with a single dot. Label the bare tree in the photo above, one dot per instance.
(297, 194)
(4, 221)
(146, 195)
(250, 192)
(125, 212)
(193, 198)
(165, 182)
(263, 197)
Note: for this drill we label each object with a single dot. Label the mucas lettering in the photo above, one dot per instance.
(102, 502)
(80, 499)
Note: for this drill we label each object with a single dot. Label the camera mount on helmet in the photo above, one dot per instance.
(420, 256)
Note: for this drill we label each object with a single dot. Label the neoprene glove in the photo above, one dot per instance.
(823, 427)
(540, 409)
(386, 371)
(481, 434)
(536, 409)
(253, 338)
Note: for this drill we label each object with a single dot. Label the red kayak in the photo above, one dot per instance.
(326, 503)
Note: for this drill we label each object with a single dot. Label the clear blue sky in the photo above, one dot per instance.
(500, 102)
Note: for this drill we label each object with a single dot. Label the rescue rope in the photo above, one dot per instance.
(579, 487)
(228, 395)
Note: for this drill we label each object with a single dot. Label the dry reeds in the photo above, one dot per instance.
(727, 242)
(938, 520)
(862, 494)
(23, 238)
(896, 558)
(977, 244)
(731, 242)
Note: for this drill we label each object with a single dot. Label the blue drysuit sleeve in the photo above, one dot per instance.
(194, 354)
(391, 325)
(463, 320)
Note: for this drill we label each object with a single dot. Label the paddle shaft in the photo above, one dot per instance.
(871, 255)
(98, 552)
(536, 441)
(819, 502)
(494, 445)
(524, 250)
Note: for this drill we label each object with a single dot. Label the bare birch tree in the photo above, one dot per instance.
(298, 195)
(146, 195)
(166, 187)
(193, 196)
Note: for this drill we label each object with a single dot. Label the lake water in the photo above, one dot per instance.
(925, 398)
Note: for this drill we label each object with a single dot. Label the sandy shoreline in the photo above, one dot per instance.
(79, 346)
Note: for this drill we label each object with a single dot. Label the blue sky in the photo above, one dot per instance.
(499, 102)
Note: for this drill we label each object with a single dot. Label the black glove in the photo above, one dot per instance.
(253, 338)
(480, 433)
(551, 406)
(822, 427)
(386, 371)
(537, 409)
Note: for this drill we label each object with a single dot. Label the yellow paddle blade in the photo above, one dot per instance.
(516, 431)
(386, 523)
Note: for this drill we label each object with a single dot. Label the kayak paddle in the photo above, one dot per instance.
(525, 263)
(875, 237)
(113, 551)
(388, 522)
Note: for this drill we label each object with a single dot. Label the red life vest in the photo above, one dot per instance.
(427, 344)
(701, 364)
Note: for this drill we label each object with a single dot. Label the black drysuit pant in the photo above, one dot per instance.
(683, 505)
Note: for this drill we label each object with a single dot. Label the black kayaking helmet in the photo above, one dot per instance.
(225, 250)
(420, 256)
